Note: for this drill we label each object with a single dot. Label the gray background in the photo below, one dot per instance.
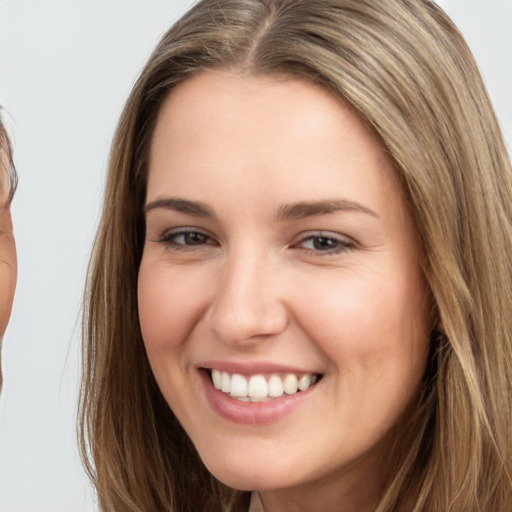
(66, 68)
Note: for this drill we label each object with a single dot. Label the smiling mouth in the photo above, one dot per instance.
(261, 388)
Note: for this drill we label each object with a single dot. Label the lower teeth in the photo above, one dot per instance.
(249, 399)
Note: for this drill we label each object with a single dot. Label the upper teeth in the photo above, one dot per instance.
(258, 388)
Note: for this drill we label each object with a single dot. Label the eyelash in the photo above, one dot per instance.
(169, 239)
(337, 243)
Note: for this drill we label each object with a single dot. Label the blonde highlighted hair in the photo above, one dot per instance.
(7, 162)
(407, 71)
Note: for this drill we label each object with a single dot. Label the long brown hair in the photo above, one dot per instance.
(406, 69)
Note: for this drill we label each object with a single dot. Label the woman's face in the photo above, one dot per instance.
(279, 253)
(7, 251)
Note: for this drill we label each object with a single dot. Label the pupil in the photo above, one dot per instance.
(323, 242)
(194, 238)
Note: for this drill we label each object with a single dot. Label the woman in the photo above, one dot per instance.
(301, 281)
(8, 265)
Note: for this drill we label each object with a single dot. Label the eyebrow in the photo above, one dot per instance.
(323, 207)
(285, 212)
(195, 208)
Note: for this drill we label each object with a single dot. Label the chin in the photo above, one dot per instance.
(244, 476)
(246, 482)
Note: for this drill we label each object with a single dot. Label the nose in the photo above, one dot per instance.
(248, 305)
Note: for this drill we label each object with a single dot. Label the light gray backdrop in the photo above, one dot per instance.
(66, 67)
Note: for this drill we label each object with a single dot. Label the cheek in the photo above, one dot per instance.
(370, 329)
(376, 339)
(170, 304)
(7, 286)
(8, 273)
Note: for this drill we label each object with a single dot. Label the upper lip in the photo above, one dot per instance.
(254, 368)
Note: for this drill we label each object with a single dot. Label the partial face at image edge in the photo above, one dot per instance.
(8, 265)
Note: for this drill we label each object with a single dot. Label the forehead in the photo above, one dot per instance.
(243, 142)
(218, 120)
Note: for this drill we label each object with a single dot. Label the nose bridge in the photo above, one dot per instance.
(247, 303)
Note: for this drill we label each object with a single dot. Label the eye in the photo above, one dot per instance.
(328, 243)
(185, 238)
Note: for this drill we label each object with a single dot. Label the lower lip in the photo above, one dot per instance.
(252, 413)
